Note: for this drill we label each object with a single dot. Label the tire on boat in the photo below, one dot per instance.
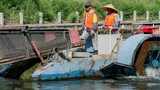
(147, 58)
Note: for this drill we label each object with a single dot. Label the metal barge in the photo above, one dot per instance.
(131, 59)
(113, 58)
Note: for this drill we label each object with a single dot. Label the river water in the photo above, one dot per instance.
(122, 84)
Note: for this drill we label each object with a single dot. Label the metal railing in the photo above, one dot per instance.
(14, 46)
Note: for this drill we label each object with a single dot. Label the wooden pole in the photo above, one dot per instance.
(21, 18)
(121, 15)
(159, 15)
(40, 18)
(59, 17)
(77, 14)
(134, 15)
(147, 15)
(1, 19)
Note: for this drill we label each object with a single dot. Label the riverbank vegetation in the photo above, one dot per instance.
(50, 8)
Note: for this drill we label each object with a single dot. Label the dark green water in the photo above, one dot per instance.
(80, 85)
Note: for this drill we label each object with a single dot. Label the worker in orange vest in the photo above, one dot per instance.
(112, 20)
(90, 28)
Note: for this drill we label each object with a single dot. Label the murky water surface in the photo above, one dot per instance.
(122, 84)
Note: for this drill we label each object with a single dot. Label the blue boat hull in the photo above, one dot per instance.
(76, 68)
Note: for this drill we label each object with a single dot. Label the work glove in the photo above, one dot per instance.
(95, 27)
(93, 33)
(84, 35)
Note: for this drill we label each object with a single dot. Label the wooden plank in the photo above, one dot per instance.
(81, 54)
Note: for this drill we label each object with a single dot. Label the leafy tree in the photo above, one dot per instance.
(50, 8)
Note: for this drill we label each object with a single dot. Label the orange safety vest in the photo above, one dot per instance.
(90, 19)
(110, 20)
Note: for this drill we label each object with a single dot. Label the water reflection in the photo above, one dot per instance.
(80, 85)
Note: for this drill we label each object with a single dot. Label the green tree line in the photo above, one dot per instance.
(50, 8)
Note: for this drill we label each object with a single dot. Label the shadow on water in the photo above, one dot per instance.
(108, 84)
(16, 69)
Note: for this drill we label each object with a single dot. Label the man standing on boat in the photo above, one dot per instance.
(112, 20)
(90, 28)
